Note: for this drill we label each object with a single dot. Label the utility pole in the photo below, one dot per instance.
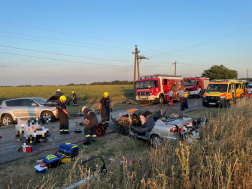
(175, 66)
(136, 61)
(136, 64)
(247, 73)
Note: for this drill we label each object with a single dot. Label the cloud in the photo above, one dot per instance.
(3, 66)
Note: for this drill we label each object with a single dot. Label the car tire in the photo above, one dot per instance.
(7, 120)
(47, 116)
(156, 141)
(121, 129)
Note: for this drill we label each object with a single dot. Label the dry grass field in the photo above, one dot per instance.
(222, 159)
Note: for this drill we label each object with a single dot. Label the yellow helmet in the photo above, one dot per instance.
(72, 91)
(105, 94)
(62, 98)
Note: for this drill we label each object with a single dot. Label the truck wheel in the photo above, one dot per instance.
(160, 100)
(143, 101)
(7, 120)
(156, 141)
(200, 95)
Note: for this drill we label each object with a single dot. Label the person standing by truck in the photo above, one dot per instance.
(170, 98)
(63, 115)
(74, 97)
(182, 99)
(91, 122)
(105, 110)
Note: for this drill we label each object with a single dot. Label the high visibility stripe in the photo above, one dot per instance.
(87, 135)
(107, 121)
(103, 122)
(93, 135)
(61, 130)
(66, 130)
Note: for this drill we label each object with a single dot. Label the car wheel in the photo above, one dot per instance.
(122, 130)
(47, 116)
(7, 120)
(156, 141)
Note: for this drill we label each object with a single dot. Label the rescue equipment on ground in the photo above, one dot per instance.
(68, 150)
(26, 148)
(52, 160)
(101, 130)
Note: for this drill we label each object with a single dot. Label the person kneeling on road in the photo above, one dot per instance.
(63, 115)
(91, 124)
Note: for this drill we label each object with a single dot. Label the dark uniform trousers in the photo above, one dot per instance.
(182, 103)
(63, 123)
(90, 130)
(75, 102)
(105, 114)
(185, 103)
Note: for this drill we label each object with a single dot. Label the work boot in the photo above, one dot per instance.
(65, 132)
(87, 143)
(93, 138)
(61, 132)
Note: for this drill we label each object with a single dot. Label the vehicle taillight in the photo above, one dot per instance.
(174, 129)
(0, 107)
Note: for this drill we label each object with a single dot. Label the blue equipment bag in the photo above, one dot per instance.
(68, 149)
(52, 160)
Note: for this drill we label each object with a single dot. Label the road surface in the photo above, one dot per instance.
(9, 145)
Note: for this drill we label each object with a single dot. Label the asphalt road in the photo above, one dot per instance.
(9, 145)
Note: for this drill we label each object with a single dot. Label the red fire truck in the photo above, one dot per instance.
(196, 86)
(156, 87)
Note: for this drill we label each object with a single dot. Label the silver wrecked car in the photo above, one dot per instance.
(157, 127)
(13, 109)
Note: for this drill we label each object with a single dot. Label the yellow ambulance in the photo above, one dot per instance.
(221, 92)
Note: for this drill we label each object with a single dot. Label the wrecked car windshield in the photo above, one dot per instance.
(39, 100)
(217, 88)
(189, 82)
(144, 84)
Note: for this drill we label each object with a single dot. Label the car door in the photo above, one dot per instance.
(30, 108)
(15, 107)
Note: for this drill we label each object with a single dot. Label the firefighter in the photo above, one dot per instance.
(248, 93)
(106, 107)
(170, 98)
(185, 99)
(63, 115)
(182, 99)
(91, 122)
(74, 97)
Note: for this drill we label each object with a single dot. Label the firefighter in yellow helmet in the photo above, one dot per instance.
(63, 115)
(106, 108)
(74, 97)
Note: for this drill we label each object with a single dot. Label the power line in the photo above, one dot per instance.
(209, 41)
(60, 59)
(61, 40)
(68, 60)
(64, 32)
(61, 43)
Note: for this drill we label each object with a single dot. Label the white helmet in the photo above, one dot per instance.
(83, 108)
(58, 90)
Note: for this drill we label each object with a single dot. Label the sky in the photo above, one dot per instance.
(82, 41)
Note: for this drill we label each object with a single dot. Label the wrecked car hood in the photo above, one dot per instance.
(54, 98)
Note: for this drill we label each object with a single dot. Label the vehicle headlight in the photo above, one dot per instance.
(223, 97)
